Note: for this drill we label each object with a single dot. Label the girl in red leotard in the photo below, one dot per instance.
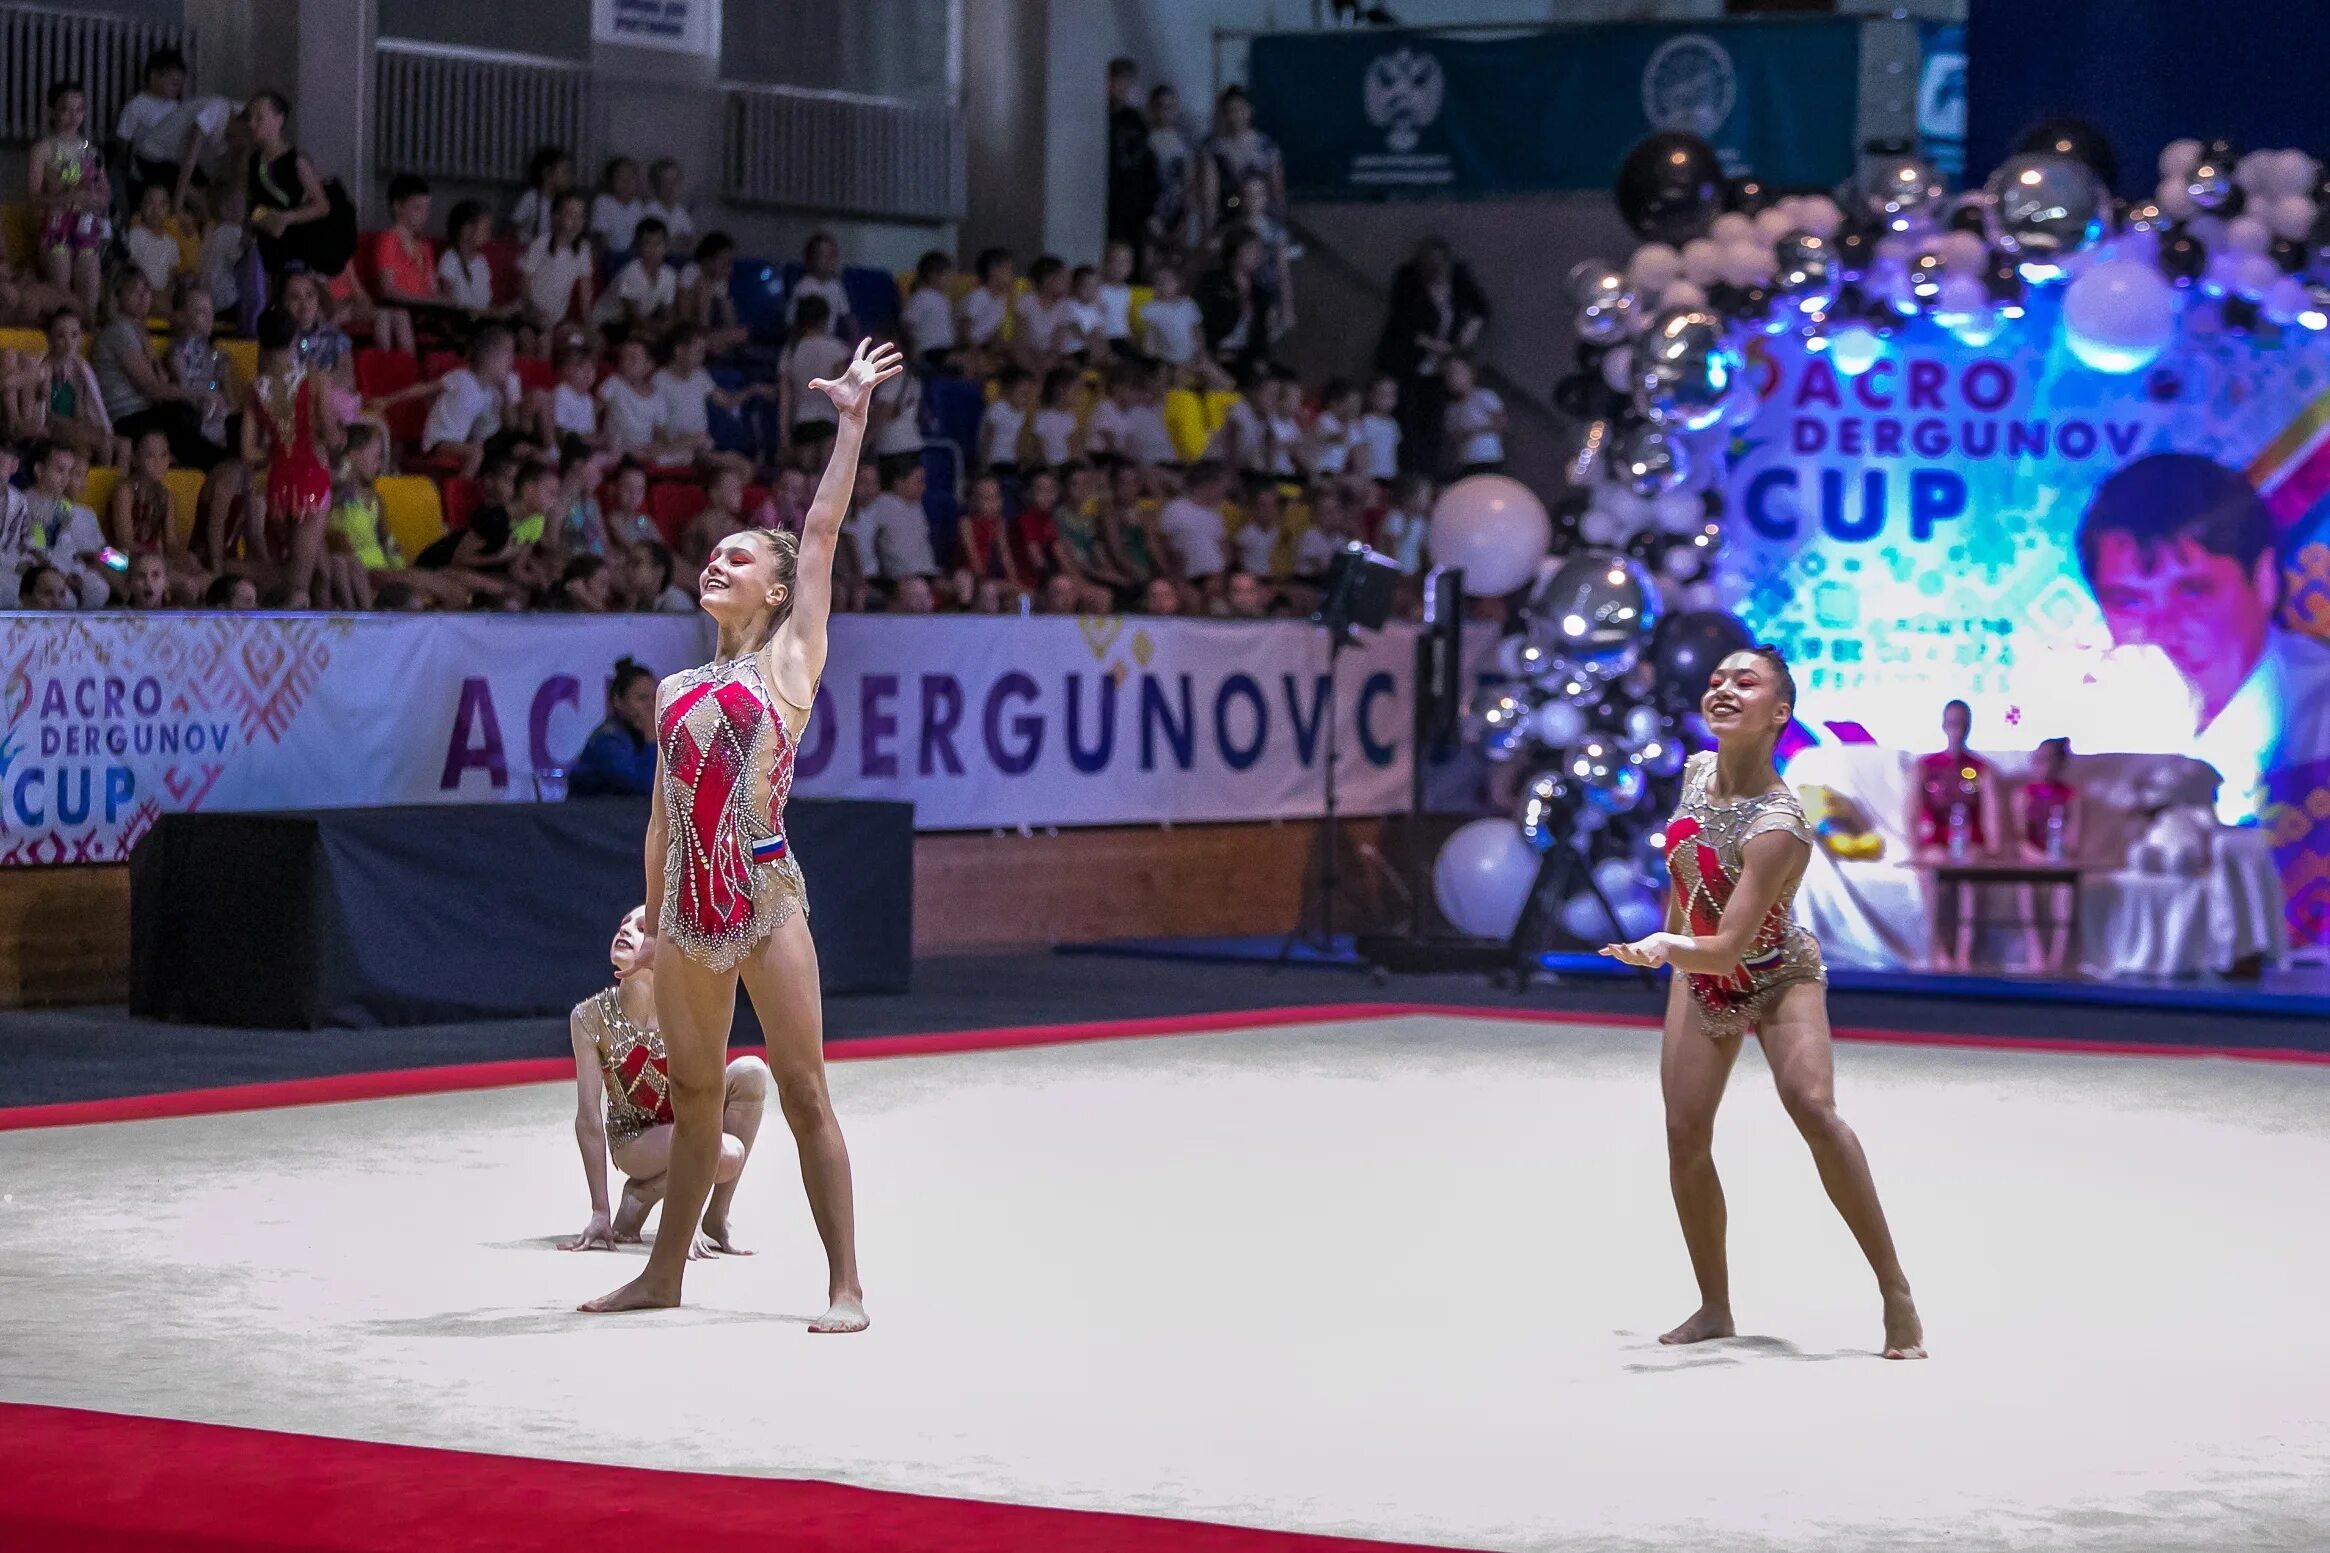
(724, 893)
(1736, 851)
(288, 430)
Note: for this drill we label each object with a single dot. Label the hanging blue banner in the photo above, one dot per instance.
(1361, 114)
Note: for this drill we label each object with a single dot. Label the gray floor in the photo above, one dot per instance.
(1396, 1278)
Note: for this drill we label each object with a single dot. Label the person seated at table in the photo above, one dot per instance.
(618, 759)
(2047, 830)
(1953, 818)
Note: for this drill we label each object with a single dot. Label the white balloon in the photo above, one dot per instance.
(1682, 293)
(1495, 528)
(1965, 252)
(1975, 330)
(1599, 526)
(2254, 274)
(1775, 222)
(1821, 216)
(2290, 216)
(1961, 296)
(1483, 876)
(2284, 300)
(1732, 227)
(2179, 157)
(1558, 723)
(2255, 171)
(2248, 234)
(1654, 267)
(2171, 197)
(1679, 511)
(2120, 315)
(2296, 175)
(1702, 595)
(1745, 263)
(1618, 367)
(1616, 877)
(2222, 277)
(1702, 261)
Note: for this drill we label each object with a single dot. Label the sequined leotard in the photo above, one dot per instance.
(729, 876)
(632, 1062)
(1705, 844)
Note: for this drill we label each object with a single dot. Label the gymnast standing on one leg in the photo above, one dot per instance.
(623, 1105)
(1736, 851)
(724, 892)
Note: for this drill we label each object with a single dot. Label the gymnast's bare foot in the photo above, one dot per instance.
(1708, 1321)
(1904, 1333)
(847, 1314)
(639, 1294)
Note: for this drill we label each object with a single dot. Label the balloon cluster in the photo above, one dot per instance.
(2246, 236)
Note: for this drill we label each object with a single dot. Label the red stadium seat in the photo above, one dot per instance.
(380, 373)
(437, 363)
(672, 503)
(501, 256)
(536, 375)
(462, 497)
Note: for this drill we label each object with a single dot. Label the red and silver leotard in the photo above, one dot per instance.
(729, 876)
(1706, 844)
(632, 1066)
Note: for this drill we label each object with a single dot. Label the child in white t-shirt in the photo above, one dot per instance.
(632, 412)
(987, 305)
(153, 248)
(574, 405)
(1116, 297)
(1044, 315)
(647, 289)
(463, 273)
(478, 403)
(1086, 333)
(1001, 428)
(1335, 443)
(1402, 532)
(806, 418)
(1379, 432)
(928, 316)
(821, 279)
(1194, 526)
(688, 394)
(1053, 426)
(1170, 322)
(1475, 420)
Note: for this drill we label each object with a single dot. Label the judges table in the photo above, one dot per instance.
(440, 913)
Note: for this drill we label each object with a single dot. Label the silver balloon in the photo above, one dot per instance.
(1593, 281)
(1603, 778)
(1584, 463)
(1804, 279)
(2045, 207)
(1595, 611)
(2146, 217)
(1660, 757)
(1646, 460)
(1644, 724)
(1649, 857)
(1546, 811)
(1558, 723)
(1607, 320)
(1497, 719)
(1926, 273)
(1684, 369)
(2210, 185)
(1905, 192)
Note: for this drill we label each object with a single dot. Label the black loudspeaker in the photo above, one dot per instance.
(1361, 587)
(1440, 664)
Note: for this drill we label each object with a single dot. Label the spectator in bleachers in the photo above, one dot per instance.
(1112, 294)
(65, 180)
(913, 596)
(233, 591)
(1086, 336)
(626, 518)
(27, 301)
(480, 406)
(1334, 445)
(983, 540)
(289, 432)
(1436, 312)
(1264, 535)
(1401, 533)
(928, 315)
(1194, 528)
(549, 174)
(1169, 218)
(1242, 442)
(1061, 595)
(574, 404)
(359, 530)
(165, 136)
(893, 532)
(987, 306)
(43, 587)
(465, 277)
(320, 345)
(585, 586)
(647, 289)
(486, 556)
(222, 248)
(581, 528)
(151, 244)
(1003, 426)
(1379, 432)
(1131, 194)
(137, 394)
(296, 217)
(1032, 528)
(560, 269)
(632, 413)
(146, 585)
(1329, 525)
(66, 405)
(1235, 306)
(63, 533)
(649, 583)
(821, 280)
(405, 262)
(618, 759)
(1082, 549)
(1052, 429)
(1129, 538)
(667, 201)
(1171, 324)
(1244, 597)
(1473, 426)
(1235, 152)
(1161, 597)
(139, 523)
(1274, 276)
(620, 206)
(805, 418)
(894, 424)
(705, 300)
(1043, 314)
(15, 520)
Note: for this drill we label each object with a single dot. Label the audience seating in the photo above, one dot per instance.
(413, 510)
(97, 491)
(671, 503)
(242, 361)
(17, 230)
(462, 497)
(185, 502)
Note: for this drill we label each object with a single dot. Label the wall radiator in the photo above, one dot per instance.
(106, 54)
(877, 157)
(474, 115)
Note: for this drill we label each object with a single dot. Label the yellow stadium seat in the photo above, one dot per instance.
(16, 232)
(1185, 423)
(242, 362)
(185, 502)
(98, 493)
(414, 510)
(30, 341)
(1142, 297)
